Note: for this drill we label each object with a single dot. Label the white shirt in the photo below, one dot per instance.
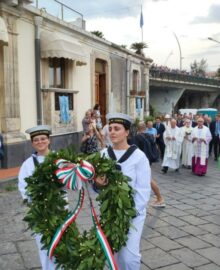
(138, 169)
(26, 170)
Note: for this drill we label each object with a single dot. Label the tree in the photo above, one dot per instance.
(199, 68)
(98, 34)
(138, 47)
(124, 46)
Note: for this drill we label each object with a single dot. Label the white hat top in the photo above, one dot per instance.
(119, 118)
(38, 130)
(167, 116)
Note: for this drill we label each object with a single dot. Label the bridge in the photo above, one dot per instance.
(171, 91)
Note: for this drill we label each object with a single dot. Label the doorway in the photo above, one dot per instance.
(100, 87)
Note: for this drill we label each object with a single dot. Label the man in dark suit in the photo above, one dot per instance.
(179, 121)
(215, 131)
(159, 137)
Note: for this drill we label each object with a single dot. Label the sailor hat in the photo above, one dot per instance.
(39, 130)
(167, 116)
(120, 118)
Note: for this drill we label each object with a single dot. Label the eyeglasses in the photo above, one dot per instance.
(41, 139)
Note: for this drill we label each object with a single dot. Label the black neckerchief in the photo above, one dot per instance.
(35, 160)
(124, 157)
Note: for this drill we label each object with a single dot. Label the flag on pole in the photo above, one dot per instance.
(141, 19)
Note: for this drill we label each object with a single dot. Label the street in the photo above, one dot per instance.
(184, 235)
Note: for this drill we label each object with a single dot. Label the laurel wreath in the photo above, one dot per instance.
(48, 210)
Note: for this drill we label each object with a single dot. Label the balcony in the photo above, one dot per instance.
(61, 11)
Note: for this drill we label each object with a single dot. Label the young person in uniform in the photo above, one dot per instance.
(134, 164)
(40, 141)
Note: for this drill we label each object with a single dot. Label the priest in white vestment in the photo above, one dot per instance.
(173, 140)
(201, 136)
(187, 145)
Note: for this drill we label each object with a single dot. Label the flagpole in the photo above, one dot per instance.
(141, 25)
(142, 37)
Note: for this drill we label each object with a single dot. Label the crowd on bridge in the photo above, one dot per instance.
(160, 69)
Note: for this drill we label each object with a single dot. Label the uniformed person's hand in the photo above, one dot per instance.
(101, 181)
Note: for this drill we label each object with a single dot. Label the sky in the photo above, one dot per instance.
(166, 22)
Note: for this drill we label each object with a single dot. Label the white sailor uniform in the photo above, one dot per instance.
(26, 170)
(138, 169)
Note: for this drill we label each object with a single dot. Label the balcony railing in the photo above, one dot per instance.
(173, 76)
(60, 10)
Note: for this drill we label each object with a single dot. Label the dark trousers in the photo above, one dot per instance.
(216, 146)
(161, 147)
(210, 147)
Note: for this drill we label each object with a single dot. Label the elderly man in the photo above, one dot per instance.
(173, 139)
(201, 136)
(151, 130)
(187, 144)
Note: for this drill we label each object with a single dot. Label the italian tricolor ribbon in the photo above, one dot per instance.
(69, 219)
(102, 238)
(72, 176)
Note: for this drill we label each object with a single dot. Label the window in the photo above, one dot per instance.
(57, 72)
(57, 102)
(58, 78)
(135, 80)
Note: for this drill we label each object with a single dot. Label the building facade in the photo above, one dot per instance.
(53, 71)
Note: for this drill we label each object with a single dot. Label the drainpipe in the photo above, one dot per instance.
(128, 67)
(38, 21)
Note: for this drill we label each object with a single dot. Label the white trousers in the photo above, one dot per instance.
(129, 257)
(46, 263)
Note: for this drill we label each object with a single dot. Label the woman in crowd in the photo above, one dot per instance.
(97, 113)
(40, 141)
(90, 140)
(136, 167)
(87, 120)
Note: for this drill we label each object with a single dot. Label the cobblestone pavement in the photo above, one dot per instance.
(184, 235)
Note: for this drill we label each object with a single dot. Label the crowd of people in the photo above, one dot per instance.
(162, 68)
(179, 141)
(189, 141)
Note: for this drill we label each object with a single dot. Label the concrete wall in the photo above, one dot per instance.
(119, 83)
(26, 73)
(164, 100)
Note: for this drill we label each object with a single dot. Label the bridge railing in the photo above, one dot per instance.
(173, 76)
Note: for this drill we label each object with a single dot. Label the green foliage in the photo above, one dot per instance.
(153, 112)
(47, 212)
(199, 68)
(98, 34)
(149, 118)
(138, 47)
(137, 121)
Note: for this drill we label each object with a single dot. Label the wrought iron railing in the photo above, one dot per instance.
(60, 10)
(174, 76)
